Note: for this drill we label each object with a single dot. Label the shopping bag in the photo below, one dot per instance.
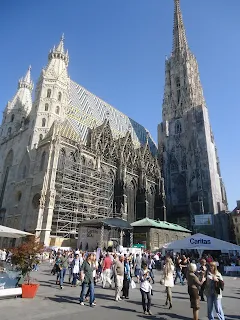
(133, 284)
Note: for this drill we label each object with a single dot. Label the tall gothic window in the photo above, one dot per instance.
(12, 117)
(43, 122)
(46, 107)
(40, 137)
(42, 161)
(9, 131)
(61, 159)
(174, 165)
(131, 201)
(57, 109)
(24, 172)
(49, 93)
(178, 85)
(59, 96)
(178, 127)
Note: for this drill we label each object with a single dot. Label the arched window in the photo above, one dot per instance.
(59, 96)
(43, 122)
(57, 109)
(174, 165)
(42, 161)
(46, 107)
(36, 201)
(178, 127)
(49, 93)
(12, 117)
(9, 131)
(184, 164)
(40, 137)
(19, 195)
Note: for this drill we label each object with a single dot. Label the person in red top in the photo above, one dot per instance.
(107, 265)
(209, 259)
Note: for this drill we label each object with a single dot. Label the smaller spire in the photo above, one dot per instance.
(27, 77)
(26, 82)
(58, 52)
(60, 47)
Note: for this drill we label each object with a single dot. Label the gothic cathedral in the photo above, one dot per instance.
(69, 156)
(191, 170)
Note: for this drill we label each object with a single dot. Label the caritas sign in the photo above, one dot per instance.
(199, 241)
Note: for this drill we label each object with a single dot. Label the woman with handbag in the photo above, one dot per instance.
(213, 291)
(168, 280)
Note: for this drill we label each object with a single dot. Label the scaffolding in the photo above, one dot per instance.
(82, 193)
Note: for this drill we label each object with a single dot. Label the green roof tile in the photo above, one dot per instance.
(146, 222)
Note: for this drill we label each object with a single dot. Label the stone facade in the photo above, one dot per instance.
(156, 238)
(191, 168)
(69, 156)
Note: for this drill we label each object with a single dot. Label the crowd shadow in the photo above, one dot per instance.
(231, 317)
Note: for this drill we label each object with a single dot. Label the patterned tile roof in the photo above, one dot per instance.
(88, 111)
(146, 222)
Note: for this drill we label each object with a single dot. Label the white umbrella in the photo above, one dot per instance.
(6, 232)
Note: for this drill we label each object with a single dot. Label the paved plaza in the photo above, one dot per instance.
(55, 304)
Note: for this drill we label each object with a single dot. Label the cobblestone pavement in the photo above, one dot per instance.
(55, 304)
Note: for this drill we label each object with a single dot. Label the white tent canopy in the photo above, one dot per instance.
(201, 242)
(12, 233)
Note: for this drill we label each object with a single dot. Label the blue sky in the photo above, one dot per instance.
(117, 50)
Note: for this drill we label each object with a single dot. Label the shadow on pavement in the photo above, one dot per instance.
(175, 316)
(119, 308)
(228, 317)
(61, 299)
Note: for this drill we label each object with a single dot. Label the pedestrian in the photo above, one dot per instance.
(178, 271)
(86, 277)
(168, 270)
(107, 264)
(145, 289)
(75, 267)
(126, 279)
(202, 272)
(213, 291)
(119, 274)
(137, 266)
(193, 289)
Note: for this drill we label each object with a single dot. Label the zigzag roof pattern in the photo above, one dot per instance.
(86, 110)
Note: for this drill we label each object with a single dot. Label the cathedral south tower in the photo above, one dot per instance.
(193, 182)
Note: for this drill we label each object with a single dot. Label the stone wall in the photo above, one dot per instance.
(156, 238)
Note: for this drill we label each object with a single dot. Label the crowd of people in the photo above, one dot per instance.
(116, 270)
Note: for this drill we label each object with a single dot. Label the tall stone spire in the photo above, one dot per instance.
(191, 168)
(179, 35)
